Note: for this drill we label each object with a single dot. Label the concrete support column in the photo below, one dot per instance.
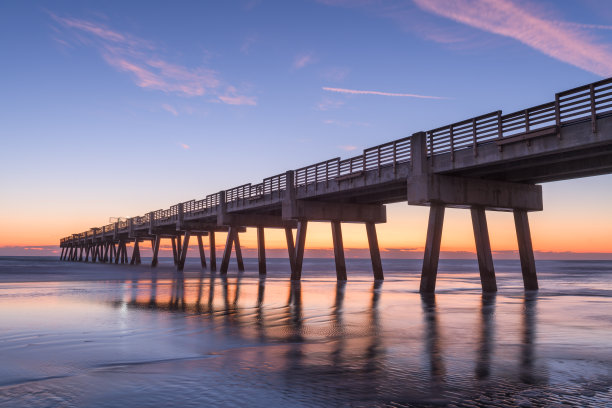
(183, 253)
(523, 234)
(290, 248)
(179, 248)
(296, 274)
(202, 253)
(87, 249)
(135, 254)
(106, 248)
(81, 253)
(374, 251)
(154, 259)
(261, 250)
(228, 250)
(432, 248)
(125, 255)
(113, 252)
(174, 254)
(238, 250)
(62, 254)
(338, 250)
(483, 250)
(213, 250)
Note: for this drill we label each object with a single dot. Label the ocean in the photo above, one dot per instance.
(100, 335)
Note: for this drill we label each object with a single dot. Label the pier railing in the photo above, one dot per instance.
(584, 103)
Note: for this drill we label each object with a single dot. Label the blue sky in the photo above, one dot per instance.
(119, 108)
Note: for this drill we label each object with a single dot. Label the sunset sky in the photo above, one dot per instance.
(114, 108)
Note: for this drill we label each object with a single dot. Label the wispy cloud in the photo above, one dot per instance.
(360, 92)
(517, 21)
(587, 26)
(169, 108)
(145, 63)
(348, 148)
(231, 97)
(327, 104)
(301, 60)
(184, 146)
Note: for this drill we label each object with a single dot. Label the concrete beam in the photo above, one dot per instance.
(256, 220)
(462, 192)
(332, 211)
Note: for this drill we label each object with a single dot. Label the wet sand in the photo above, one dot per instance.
(109, 335)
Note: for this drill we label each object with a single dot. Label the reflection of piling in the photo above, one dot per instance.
(485, 348)
(433, 346)
(338, 322)
(527, 366)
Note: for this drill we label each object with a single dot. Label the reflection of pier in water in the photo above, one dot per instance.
(317, 347)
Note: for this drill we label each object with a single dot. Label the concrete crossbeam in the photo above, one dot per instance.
(331, 211)
(462, 192)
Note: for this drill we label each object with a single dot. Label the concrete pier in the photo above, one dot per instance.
(491, 162)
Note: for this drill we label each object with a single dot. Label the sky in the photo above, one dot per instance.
(116, 108)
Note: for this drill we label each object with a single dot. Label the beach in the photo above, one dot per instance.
(99, 335)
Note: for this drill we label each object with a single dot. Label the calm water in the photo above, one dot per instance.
(76, 334)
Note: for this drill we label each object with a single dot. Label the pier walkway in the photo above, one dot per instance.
(489, 162)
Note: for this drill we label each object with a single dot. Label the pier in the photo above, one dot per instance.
(492, 162)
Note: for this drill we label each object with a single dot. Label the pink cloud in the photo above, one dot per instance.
(184, 146)
(143, 62)
(302, 60)
(169, 108)
(231, 97)
(513, 20)
(358, 92)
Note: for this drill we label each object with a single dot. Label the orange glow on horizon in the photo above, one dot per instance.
(585, 232)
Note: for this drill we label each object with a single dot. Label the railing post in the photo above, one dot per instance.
(151, 219)
(180, 217)
(395, 158)
(526, 120)
(378, 151)
(593, 111)
(418, 153)
(452, 143)
(363, 161)
(474, 135)
(558, 114)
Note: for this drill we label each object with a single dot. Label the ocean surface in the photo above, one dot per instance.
(95, 335)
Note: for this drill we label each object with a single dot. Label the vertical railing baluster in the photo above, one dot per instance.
(474, 136)
(500, 130)
(452, 143)
(558, 115)
(378, 150)
(593, 111)
(394, 158)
